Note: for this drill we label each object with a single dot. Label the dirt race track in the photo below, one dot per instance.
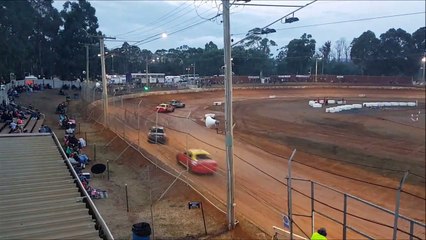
(363, 153)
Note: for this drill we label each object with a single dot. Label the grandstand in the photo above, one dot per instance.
(41, 196)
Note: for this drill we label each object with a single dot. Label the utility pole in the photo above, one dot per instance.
(194, 71)
(104, 80)
(87, 62)
(424, 67)
(316, 69)
(228, 116)
(112, 63)
(146, 72)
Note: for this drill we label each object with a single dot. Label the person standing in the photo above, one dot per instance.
(321, 234)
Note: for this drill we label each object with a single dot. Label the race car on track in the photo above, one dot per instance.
(198, 161)
(177, 103)
(164, 107)
(157, 135)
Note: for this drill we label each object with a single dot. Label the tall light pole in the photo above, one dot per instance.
(87, 62)
(104, 80)
(424, 66)
(112, 63)
(193, 65)
(228, 116)
(146, 70)
(139, 126)
(316, 69)
(104, 83)
(187, 72)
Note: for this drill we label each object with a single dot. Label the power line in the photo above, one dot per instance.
(279, 19)
(160, 19)
(180, 24)
(156, 27)
(183, 29)
(156, 37)
(343, 21)
(265, 5)
(353, 20)
(174, 19)
(173, 26)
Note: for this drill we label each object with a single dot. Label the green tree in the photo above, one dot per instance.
(47, 23)
(295, 58)
(80, 27)
(325, 51)
(364, 51)
(396, 54)
(419, 39)
(17, 20)
(255, 41)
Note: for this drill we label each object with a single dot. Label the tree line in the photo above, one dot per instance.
(38, 39)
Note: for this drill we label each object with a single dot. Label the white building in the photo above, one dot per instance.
(153, 77)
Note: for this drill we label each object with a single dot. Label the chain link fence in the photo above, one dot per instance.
(314, 204)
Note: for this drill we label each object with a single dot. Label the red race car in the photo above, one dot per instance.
(197, 161)
(164, 108)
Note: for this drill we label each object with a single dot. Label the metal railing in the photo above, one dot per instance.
(346, 214)
(103, 229)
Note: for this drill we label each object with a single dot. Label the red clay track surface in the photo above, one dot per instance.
(363, 153)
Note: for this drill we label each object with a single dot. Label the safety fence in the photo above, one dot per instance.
(351, 216)
(315, 204)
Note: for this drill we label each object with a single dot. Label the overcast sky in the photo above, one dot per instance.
(146, 20)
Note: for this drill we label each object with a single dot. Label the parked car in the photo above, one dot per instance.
(197, 161)
(157, 135)
(164, 107)
(177, 103)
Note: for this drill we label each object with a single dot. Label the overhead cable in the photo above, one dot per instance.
(353, 20)
(279, 19)
(157, 36)
(160, 19)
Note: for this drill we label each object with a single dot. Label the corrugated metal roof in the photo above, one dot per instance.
(38, 196)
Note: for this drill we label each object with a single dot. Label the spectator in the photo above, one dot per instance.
(20, 123)
(321, 234)
(44, 129)
(13, 126)
(82, 143)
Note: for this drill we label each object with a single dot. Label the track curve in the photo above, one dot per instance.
(264, 139)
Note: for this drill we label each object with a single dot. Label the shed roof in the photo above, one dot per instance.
(38, 196)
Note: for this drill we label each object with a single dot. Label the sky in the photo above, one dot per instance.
(142, 22)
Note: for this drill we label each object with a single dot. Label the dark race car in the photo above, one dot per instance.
(177, 103)
(157, 135)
